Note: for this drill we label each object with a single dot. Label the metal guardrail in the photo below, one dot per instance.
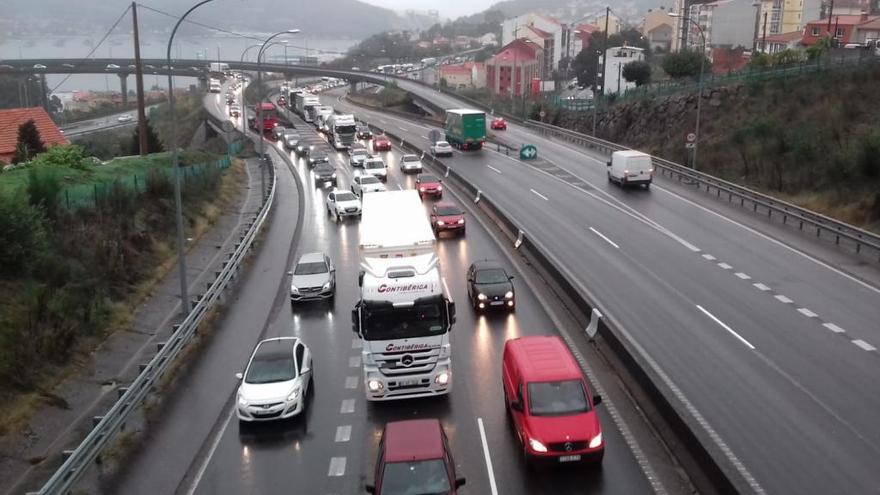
(113, 421)
(773, 209)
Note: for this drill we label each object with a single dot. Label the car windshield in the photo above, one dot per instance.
(374, 164)
(415, 478)
(310, 268)
(359, 152)
(410, 158)
(557, 398)
(428, 178)
(369, 179)
(388, 323)
(448, 210)
(269, 369)
(345, 196)
(491, 276)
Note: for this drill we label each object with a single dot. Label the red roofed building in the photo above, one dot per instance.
(842, 28)
(10, 120)
(512, 69)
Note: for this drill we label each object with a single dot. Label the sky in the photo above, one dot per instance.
(447, 8)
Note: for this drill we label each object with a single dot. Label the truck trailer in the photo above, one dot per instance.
(465, 128)
(404, 314)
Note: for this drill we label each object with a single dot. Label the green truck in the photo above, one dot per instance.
(466, 129)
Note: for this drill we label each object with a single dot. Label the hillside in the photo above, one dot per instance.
(794, 138)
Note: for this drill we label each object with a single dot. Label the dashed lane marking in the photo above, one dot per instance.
(742, 276)
(343, 433)
(492, 486)
(724, 326)
(347, 406)
(806, 312)
(356, 343)
(834, 328)
(724, 266)
(709, 257)
(783, 299)
(864, 345)
(761, 287)
(494, 169)
(536, 193)
(337, 467)
(609, 241)
(354, 362)
(351, 382)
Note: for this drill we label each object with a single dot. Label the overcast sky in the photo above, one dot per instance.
(447, 8)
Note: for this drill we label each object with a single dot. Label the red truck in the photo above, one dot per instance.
(268, 114)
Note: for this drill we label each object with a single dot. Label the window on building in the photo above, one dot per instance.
(814, 31)
(839, 32)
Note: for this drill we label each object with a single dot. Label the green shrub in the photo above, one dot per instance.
(69, 156)
(44, 189)
(25, 240)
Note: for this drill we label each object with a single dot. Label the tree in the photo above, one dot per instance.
(154, 145)
(638, 72)
(13, 90)
(685, 63)
(29, 142)
(584, 63)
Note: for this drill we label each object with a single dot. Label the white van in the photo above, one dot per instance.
(631, 167)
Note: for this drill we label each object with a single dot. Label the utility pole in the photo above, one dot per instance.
(600, 86)
(830, 14)
(139, 84)
(764, 35)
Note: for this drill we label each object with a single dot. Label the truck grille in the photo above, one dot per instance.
(406, 363)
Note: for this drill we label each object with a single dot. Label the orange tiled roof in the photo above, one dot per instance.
(11, 119)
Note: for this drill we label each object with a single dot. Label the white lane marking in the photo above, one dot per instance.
(351, 382)
(347, 406)
(724, 266)
(354, 362)
(343, 433)
(426, 137)
(709, 257)
(495, 169)
(761, 287)
(404, 129)
(207, 460)
(742, 276)
(806, 312)
(783, 299)
(834, 328)
(356, 343)
(492, 486)
(609, 241)
(400, 186)
(724, 326)
(536, 193)
(864, 345)
(337, 467)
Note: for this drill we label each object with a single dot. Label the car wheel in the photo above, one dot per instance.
(462, 232)
(648, 186)
(338, 218)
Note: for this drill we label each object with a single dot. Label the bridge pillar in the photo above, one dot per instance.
(354, 87)
(123, 86)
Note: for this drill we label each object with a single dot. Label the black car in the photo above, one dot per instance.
(324, 172)
(364, 132)
(490, 287)
(302, 148)
(316, 157)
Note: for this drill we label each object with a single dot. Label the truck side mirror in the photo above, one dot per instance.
(451, 312)
(608, 163)
(361, 278)
(597, 399)
(370, 488)
(459, 482)
(517, 405)
(355, 320)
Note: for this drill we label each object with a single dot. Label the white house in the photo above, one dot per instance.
(616, 57)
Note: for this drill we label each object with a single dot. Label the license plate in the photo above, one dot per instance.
(569, 458)
(408, 383)
(496, 303)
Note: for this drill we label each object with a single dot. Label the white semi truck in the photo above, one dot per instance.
(322, 117)
(405, 313)
(304, 105)
(343, 129)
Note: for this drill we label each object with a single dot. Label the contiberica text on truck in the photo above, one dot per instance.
(404, 314)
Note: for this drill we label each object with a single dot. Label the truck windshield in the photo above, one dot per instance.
(384, 322)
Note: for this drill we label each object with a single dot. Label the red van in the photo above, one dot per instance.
(414, 457)
(549, 401)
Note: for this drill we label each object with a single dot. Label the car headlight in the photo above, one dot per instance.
(242, 401)
(422, 189)
(482, 297)
(596, 441)
(326, 286)
(441, 222)
(461, 221)
(508, 294)
(439, 188)
(537, 446)
(294, 290)
(293, 395)
(333, 175)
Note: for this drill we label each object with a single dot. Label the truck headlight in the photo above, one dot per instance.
(375, 385)
(537, 446)
(442, 378)
(482, 297)
(596, 441)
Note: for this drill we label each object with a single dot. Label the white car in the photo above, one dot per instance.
(410, 163)
(276, 380)
(376, 167)
(341, 203)
(124, 118)
(366, 183)
(357, 157)
(441, 148)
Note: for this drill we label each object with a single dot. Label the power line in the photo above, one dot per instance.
(233, 33)
(94, 49)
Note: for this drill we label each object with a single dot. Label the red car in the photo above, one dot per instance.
(553, 411)
(381, 143)
(446, 216)
(414, 457)
(498, 124)
(429, 185)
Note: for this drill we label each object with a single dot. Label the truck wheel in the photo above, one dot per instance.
(647, 185)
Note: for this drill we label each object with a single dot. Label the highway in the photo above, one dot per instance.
(773, 350)
(198, 446)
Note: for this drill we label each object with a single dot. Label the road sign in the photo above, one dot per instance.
(690, 146)
(691, 137)
(543, 114)
(227, 126)
(435, 136)
(528, 152)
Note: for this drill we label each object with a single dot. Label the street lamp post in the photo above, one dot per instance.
(178, 204)
(699, 86)
(259, 104)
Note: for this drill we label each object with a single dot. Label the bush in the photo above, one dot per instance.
(685, 63)
(44, 190)
(70, 156)
(25, 239)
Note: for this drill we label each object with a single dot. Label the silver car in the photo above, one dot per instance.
(441, 148)
(410, 163)
(313, 278)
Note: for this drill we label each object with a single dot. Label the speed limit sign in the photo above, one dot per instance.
(543, 114)
(691, 137)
